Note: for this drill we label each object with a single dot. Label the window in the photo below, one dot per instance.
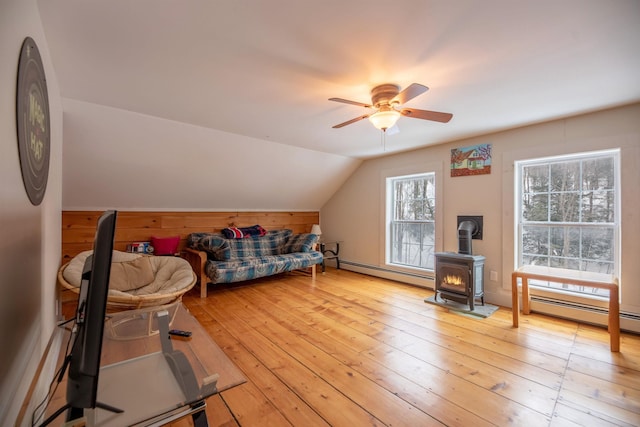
(568, 214)
(411, 203)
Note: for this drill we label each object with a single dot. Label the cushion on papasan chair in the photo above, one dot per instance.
(136, 280)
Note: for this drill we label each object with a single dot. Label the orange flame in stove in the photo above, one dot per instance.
(452, 280)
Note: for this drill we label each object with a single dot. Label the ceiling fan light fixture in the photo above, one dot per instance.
(383, 120)
(385, 98)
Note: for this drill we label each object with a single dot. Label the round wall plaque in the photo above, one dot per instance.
(32, 114)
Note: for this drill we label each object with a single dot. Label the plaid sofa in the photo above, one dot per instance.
(235, 260)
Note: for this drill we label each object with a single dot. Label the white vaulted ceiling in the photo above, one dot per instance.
(265, 69)
(223, 105)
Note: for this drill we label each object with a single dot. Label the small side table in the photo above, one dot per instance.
(561, 275)
(330, 253)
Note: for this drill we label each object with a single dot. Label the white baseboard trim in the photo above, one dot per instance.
(425, 281)
(592, 315)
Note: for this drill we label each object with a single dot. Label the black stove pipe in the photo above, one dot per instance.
(465, 231)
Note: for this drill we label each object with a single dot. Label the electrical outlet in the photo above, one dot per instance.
(493, 276)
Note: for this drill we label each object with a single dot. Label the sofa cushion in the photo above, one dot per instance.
(130, 275)
(300, 243)
(215, 245)
(255, 267)
(271, 243)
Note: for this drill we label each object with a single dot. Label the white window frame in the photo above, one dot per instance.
(390, 218)
(615, 225)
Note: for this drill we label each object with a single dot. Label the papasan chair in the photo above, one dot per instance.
(136, 281)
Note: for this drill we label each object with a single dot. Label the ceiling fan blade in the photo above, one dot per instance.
(410, 92)
(348, 122)
(346, 101)
(435, 116)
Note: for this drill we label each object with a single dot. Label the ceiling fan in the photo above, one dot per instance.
(385, 98)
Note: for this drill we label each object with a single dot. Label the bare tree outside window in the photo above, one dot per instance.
(567, 213)
(412, 231)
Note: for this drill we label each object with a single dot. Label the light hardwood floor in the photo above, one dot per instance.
(354, 350)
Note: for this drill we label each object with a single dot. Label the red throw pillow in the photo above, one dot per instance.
(165, 245)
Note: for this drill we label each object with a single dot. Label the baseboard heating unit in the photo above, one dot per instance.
(590, 314)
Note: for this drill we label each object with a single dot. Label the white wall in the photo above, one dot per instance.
(30, 248)
(118, 159)
(354, 214)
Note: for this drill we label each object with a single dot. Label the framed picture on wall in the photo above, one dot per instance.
(472, 160)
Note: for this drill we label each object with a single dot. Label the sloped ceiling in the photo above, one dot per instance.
(216, 105)
(265, 69)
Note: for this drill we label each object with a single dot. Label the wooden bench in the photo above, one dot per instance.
(561, 275)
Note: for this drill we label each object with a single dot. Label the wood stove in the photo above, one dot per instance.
(460, 277)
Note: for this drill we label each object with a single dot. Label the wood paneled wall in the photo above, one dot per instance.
(78, 227)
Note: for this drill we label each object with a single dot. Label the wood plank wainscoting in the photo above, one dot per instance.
(78, 227)
(354, 350)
